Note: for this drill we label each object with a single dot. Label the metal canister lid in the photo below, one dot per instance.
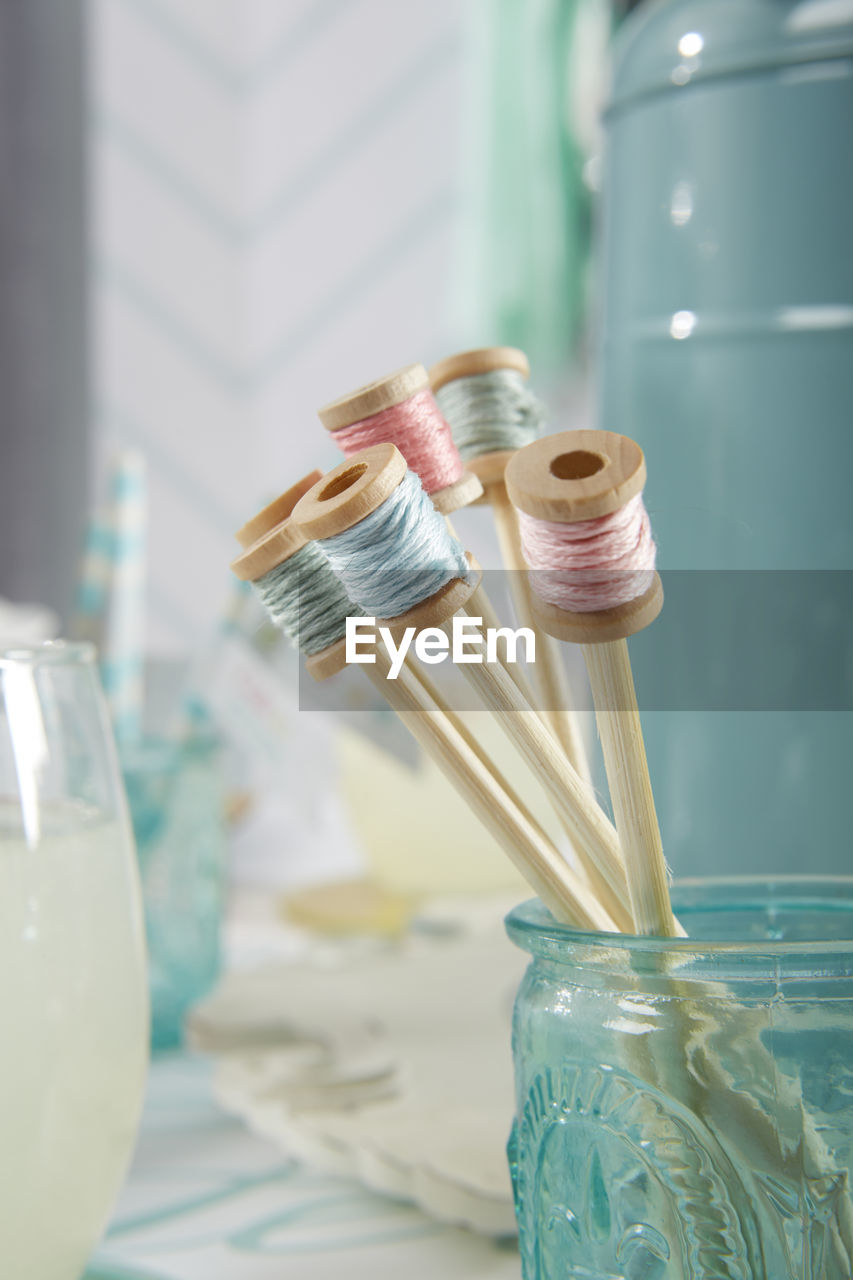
(674, 44)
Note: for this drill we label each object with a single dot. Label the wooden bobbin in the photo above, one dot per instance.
(382, 394)
(580, 475)
(272, 549)
(276, 511)
(353, 490)
(489, 468)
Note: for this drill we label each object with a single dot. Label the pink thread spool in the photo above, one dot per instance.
(400, 409)
(588, 476)
(584, 482)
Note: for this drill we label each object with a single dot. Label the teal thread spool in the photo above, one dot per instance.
(728, 355)
(491, 410)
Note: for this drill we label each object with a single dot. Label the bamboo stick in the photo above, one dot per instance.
(593, 836)
(566, 896)
(621, 734)
(555, 698)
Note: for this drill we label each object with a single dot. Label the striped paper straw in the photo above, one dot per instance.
(93, 583)
(124, 634)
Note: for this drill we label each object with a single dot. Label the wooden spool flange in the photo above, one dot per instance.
(382, 394)
(276, 511)
(579, 475)
(271, 549)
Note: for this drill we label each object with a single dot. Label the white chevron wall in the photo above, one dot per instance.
(275, 207)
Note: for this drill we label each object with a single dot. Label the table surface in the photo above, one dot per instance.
(206, 1199)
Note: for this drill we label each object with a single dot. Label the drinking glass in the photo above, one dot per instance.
(685, 1106)
(73, 988)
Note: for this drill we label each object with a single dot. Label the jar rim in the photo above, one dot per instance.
(531, 926)
(47, 653)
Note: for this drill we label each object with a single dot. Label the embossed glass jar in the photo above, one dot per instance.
(684, 1109)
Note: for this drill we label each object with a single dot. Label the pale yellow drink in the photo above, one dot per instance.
(73, 1038)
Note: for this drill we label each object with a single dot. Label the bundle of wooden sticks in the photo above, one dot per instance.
(371, 540)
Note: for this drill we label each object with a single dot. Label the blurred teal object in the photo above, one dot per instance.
(536, 78)
(176, 799)
(684, 1108)
(728, 355)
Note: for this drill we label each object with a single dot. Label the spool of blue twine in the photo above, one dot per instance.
(398, 556)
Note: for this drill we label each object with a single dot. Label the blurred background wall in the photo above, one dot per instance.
(276, 199)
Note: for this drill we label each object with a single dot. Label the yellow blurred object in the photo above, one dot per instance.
(402, 817)
(350, 906)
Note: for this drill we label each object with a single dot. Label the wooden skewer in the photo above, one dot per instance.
(565, 894)
(579, 475)
(480, 606)
(454, 750)
(554, 694)
(593, 836)
(347, 495)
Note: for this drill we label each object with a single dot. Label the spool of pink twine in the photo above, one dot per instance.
(590, 564)
(421, 433)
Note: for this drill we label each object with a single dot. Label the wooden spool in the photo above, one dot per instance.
(270, 550)
(382, 394)
(566, 478)
(277, 544)
(487, 467)
(579, 475)
(356, 488)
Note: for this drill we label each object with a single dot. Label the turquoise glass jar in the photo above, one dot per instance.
(685, 1108)
(176, 798)
(727, 353)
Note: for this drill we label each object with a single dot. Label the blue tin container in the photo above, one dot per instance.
(728, 355)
